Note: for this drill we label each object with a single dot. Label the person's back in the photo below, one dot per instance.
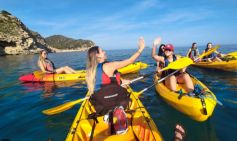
(103, 82)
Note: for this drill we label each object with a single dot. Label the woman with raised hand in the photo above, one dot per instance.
(100, 72)
(160, 53)
(179, 77)
(47, 65)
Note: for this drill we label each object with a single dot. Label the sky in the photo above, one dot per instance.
(118, 24)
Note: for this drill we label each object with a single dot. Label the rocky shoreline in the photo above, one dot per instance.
(16, 38)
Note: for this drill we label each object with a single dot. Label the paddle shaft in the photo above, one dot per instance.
(162, 79)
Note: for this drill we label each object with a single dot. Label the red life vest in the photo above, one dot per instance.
(102, 78)
(49, 66)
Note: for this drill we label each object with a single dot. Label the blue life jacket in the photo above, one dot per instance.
(212, 55)
(167, 72)
(103, 79)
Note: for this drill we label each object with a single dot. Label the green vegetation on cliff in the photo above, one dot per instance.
(62, 42)
(8, 25)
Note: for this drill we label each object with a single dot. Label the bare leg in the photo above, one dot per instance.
(69, 69)
(65, 69)
(209, 60)
(171, 83)
(60, 70)
(185, 78)
(217, 59)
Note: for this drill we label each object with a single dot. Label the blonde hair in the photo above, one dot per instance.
(91, 68)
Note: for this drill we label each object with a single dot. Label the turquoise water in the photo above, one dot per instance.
(21, 104)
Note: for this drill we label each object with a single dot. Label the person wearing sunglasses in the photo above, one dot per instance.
(179, 77)
(47, 65)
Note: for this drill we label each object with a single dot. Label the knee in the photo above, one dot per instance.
(186, 75)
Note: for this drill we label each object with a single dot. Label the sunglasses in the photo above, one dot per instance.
(168, 50)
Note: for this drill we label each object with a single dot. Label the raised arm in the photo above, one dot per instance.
(112, 66)
(156, 42)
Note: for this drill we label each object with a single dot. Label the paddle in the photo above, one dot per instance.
(178, 64)
(201, 56)
(232, 54)
(63, 107)
(208, 52)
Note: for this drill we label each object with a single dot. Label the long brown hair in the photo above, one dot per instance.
(41, 59)
(91, 68)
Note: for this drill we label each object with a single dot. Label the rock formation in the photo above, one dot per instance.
(61, 42)
(16, 38)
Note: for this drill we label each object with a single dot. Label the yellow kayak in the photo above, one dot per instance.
(191, 106)
(39, 76)
(230, 65)
(140, 124)
(133, 68)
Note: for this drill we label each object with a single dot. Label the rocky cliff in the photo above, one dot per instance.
(64, 43)
(16, 38)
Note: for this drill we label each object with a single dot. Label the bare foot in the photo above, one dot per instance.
(179, 133)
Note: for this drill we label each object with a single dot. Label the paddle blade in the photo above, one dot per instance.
(62, 108)
(232, 54)
(144, 65)
(179, 64)
(209, 52)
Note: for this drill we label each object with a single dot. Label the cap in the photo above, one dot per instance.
(169, 46)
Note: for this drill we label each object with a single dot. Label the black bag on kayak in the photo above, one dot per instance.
(109, 97)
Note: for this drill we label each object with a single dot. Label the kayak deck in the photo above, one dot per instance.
(141, 125)
(191, 106)
(39, 76)
(230, 65)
